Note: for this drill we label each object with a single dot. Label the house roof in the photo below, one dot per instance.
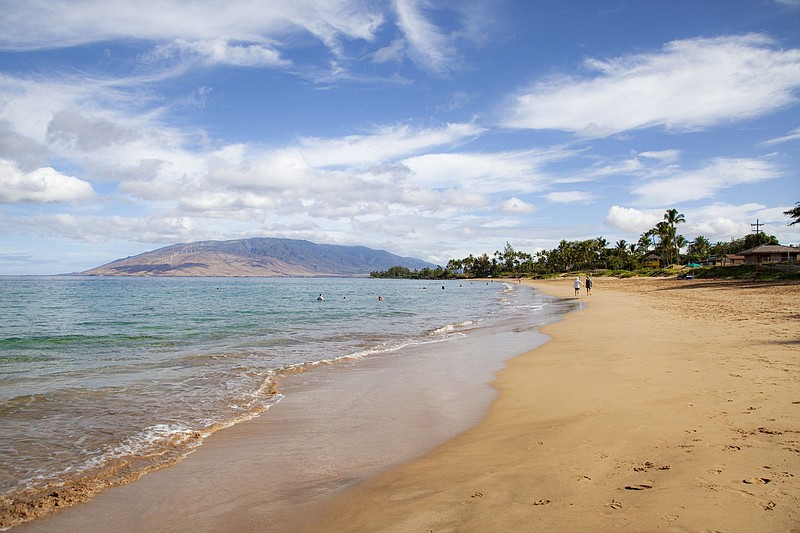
(770, 249)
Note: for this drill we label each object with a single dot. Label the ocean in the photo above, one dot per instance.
(104, 379)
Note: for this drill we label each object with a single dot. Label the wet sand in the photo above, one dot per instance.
(664, 405)
(337, 426)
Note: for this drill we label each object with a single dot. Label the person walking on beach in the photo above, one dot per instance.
(588, 285)
(577, 285)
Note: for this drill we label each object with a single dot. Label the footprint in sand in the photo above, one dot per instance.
(650, 466)
(541, 502)
(757, 481)
(614, 504)
(476, 495)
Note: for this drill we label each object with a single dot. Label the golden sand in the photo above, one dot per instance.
(663, 405)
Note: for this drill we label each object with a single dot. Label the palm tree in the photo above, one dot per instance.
(680, 242)
(645, 242)
(673, 218)
(666, 235)
(699, 248)
(794, 213)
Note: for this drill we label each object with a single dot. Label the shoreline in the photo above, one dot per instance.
(663, 404)
(331, 430)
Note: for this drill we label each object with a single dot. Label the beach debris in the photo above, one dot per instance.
(640, 486)
(541, 502)
(476, 495)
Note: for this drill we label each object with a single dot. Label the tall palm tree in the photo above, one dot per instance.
(666, 236)
(680, 242)
(673, 218)
(645, 242)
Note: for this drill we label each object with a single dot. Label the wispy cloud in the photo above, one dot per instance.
(42, 24)
(705, 182)
(690, 84)
(793, 135)
(218, 51)
(428, 47)
(386, 143)
(568, 197)
(518, 171)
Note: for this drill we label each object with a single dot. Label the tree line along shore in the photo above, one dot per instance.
(659, 252)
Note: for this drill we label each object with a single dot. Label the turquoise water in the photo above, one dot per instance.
(102, 379)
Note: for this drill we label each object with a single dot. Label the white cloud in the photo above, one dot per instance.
(689, 84)
(515, 205)
(719, 228)
(393, 52)
(384, 144)
(427, 46)
(716, 222)
(99, 229)
(496, 171)
(664, 156)
(567, 197)
(706, 182)
(219, 51)
(793, 135)
(43, 185)
(632, 220)
(37, 24)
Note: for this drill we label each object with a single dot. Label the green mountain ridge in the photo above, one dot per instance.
(270, 257)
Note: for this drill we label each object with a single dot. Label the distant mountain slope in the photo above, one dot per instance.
(256, 257)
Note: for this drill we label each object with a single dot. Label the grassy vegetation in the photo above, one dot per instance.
(780, 271)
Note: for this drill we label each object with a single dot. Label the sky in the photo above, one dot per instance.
(428, 128)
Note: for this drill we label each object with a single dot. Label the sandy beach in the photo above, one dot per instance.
(657, 405)
(663, 405)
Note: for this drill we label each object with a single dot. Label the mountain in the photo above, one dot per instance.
(256, 257)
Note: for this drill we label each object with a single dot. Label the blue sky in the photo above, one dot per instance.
(432, 129)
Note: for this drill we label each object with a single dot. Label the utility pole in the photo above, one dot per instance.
(757, 227)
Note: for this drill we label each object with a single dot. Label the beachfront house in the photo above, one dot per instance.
(731, 260)
(651, 261)
(770, 253)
